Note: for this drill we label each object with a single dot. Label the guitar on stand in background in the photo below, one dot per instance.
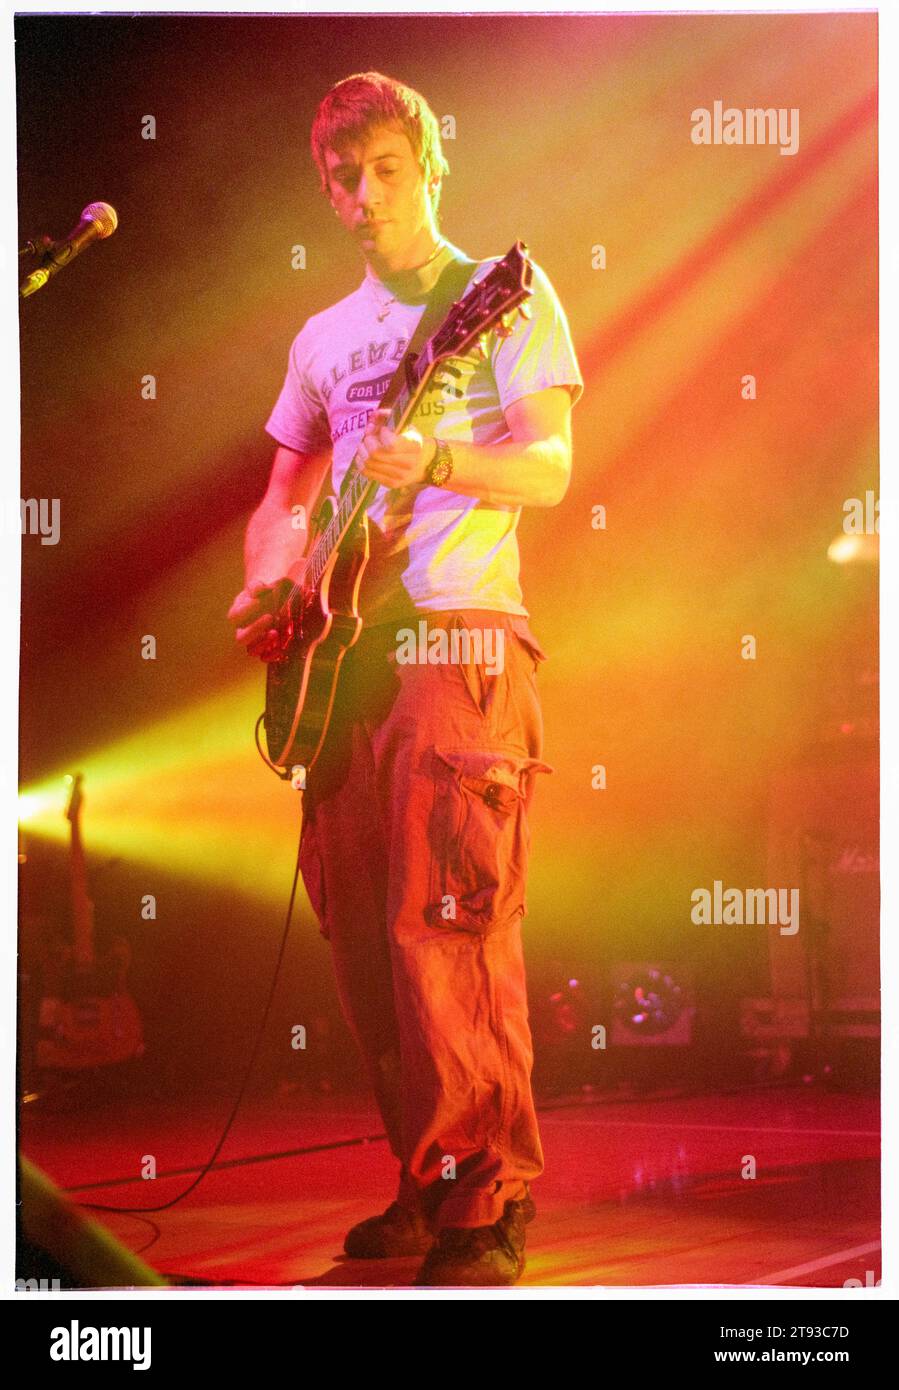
(86, 1018)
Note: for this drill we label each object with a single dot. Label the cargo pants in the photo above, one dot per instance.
(414, 854)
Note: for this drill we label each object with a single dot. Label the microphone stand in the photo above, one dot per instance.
(41, 246)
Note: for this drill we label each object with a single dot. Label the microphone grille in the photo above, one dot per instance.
(105, 216)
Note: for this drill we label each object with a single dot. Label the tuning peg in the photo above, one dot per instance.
(503, 329)
(525, 311)
(482, 346)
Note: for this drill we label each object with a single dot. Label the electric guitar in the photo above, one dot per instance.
(87, 1018)
(319, 620)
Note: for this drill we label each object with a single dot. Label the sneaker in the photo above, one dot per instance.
(397, 1231)
(480, 1255)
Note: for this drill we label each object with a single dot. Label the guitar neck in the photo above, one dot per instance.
(82, 907)
(358, 492)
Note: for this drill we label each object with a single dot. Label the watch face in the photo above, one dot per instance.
(441, 466)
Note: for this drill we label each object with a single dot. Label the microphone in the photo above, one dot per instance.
(98, 220)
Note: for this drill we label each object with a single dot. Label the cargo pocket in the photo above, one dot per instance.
(528, 643)
(479, 837)
(313, 870)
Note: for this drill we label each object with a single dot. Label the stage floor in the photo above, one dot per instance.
(636, 1193)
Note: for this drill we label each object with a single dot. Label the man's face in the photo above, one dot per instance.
(380, 194)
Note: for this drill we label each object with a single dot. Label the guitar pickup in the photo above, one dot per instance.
(439, 383)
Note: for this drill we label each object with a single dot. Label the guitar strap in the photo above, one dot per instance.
(448, 288)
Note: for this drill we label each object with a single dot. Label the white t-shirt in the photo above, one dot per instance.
(431, 549)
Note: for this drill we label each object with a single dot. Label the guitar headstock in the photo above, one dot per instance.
(493, 302)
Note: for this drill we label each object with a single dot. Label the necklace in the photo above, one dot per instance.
(384, 304)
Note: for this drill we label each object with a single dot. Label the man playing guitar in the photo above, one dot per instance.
(415, 838)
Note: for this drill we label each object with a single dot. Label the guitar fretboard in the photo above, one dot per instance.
(356, 491)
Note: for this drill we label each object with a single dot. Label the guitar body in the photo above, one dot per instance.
(301, 684)
(89, 1020)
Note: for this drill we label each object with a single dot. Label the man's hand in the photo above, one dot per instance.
(253, 612)
(394, 460)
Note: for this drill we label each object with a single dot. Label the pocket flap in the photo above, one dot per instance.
(491, 766)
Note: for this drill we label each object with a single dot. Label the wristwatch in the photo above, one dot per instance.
(439, 470)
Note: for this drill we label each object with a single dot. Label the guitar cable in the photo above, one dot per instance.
(164, 1206)
(285, 776)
